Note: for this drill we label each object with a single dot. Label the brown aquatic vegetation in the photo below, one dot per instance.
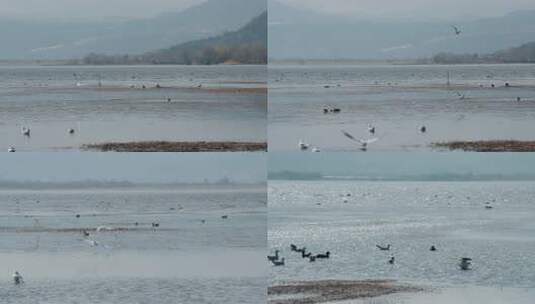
(312, 292)
(167, 146)
(488, 146)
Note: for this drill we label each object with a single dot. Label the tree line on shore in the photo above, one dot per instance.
(247, 45)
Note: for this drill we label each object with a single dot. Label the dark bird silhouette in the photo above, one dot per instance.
(325, 255)
(278, 263)
(274, 257)
(392, 261)
(384, 248)
(457, 30)
(433, 248)
(465, 263)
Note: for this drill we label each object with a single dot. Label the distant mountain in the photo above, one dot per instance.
(60, 40)
(300, 34)
(247, 45)
(522, 54)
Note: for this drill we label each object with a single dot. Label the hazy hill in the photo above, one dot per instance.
(522, 54)
(247, 45)
(60, 40)
(299, 34)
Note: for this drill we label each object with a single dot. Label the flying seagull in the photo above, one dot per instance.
(457, 30)
(363, 142)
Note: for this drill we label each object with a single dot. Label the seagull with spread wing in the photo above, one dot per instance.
(363, 142)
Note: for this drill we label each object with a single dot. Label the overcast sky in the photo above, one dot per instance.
(419, 9)
(133, 167)
(89, 9)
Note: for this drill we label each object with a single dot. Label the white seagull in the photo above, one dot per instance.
(363, 142)
(11, 149)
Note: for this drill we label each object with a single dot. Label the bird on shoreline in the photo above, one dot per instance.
(17, 278)
(11, 149)
(25, 131)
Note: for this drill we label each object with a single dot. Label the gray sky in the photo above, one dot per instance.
(133, 167)
(89, 9)
(419, 9)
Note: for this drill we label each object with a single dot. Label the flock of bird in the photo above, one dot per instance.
(276, 260)
(363, 142)
(464, 263)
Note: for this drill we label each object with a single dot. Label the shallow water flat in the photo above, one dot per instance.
(109, 103)
(411, 216)
(195, 254)
(398, 100)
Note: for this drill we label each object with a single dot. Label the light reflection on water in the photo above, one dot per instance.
(411, 216)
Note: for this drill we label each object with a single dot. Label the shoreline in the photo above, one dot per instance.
(168, 146)
(313, 292)
(487, 146)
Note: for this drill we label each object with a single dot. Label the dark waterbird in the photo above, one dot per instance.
(305, 255)
(274, 257)
(278, 263)
(325, 255)
(384, 248)
(465, 264)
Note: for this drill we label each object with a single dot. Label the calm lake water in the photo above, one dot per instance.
(398, 100)
(411, 216)
(52, 99)
(184, 260)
